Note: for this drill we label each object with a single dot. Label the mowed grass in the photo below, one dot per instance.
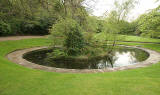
(101, 36)
(19, 80)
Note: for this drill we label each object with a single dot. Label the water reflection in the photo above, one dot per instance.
(120, 57)
(124, 59)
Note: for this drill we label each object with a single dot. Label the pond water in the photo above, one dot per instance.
(120, 57)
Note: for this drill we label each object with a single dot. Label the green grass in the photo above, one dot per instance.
(101, 36)
(19, 80)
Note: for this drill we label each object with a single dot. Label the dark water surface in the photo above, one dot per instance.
(120, 57)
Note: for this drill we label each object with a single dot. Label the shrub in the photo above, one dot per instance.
(34, 27)
(71, 33)
(37, 27)
(28, 27)
(74, 41)
(5, 29)
(56, 53)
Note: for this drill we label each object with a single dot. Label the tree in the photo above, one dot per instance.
(114, 18)
(149, 24)
(128, 28)
(74, 42)
(122, 9)
(27, 16)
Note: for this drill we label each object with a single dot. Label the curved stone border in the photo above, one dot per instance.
(17, 57)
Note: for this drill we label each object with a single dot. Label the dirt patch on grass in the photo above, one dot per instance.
(19, 37)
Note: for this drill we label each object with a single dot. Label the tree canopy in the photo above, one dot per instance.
(149, 24)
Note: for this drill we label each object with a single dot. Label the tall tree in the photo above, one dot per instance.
(119, 13)
(149, 24)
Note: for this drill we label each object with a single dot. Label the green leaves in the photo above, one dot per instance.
(5, 28)
(74, 42)
(149, 24)
(68, 33)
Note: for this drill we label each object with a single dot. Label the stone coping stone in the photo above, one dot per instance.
(17, 57)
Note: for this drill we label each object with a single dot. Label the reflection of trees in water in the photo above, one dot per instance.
(109, 61)
(101, 62)
(106, 62)
(132, 57)
(140, 55)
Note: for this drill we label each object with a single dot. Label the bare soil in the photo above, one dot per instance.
(19, 37)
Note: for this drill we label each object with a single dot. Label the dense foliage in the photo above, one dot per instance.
(71, 26)
(128, 28)
(75, 41)
(68, 33)
(73, 30)
(26, 16)
(5, 28)
(149, 24)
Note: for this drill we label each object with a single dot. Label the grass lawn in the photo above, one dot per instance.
(101, 36)
(19, 80)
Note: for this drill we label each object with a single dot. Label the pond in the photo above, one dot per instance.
(123, 56)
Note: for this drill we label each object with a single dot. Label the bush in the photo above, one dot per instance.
(100, 26)
(28, 27)
(36, 27)
(74, 41)
(56, 53)
(71, 33)
(127, 28)
(5, 29)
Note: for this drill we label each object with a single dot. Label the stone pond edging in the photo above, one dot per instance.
(17, 57)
